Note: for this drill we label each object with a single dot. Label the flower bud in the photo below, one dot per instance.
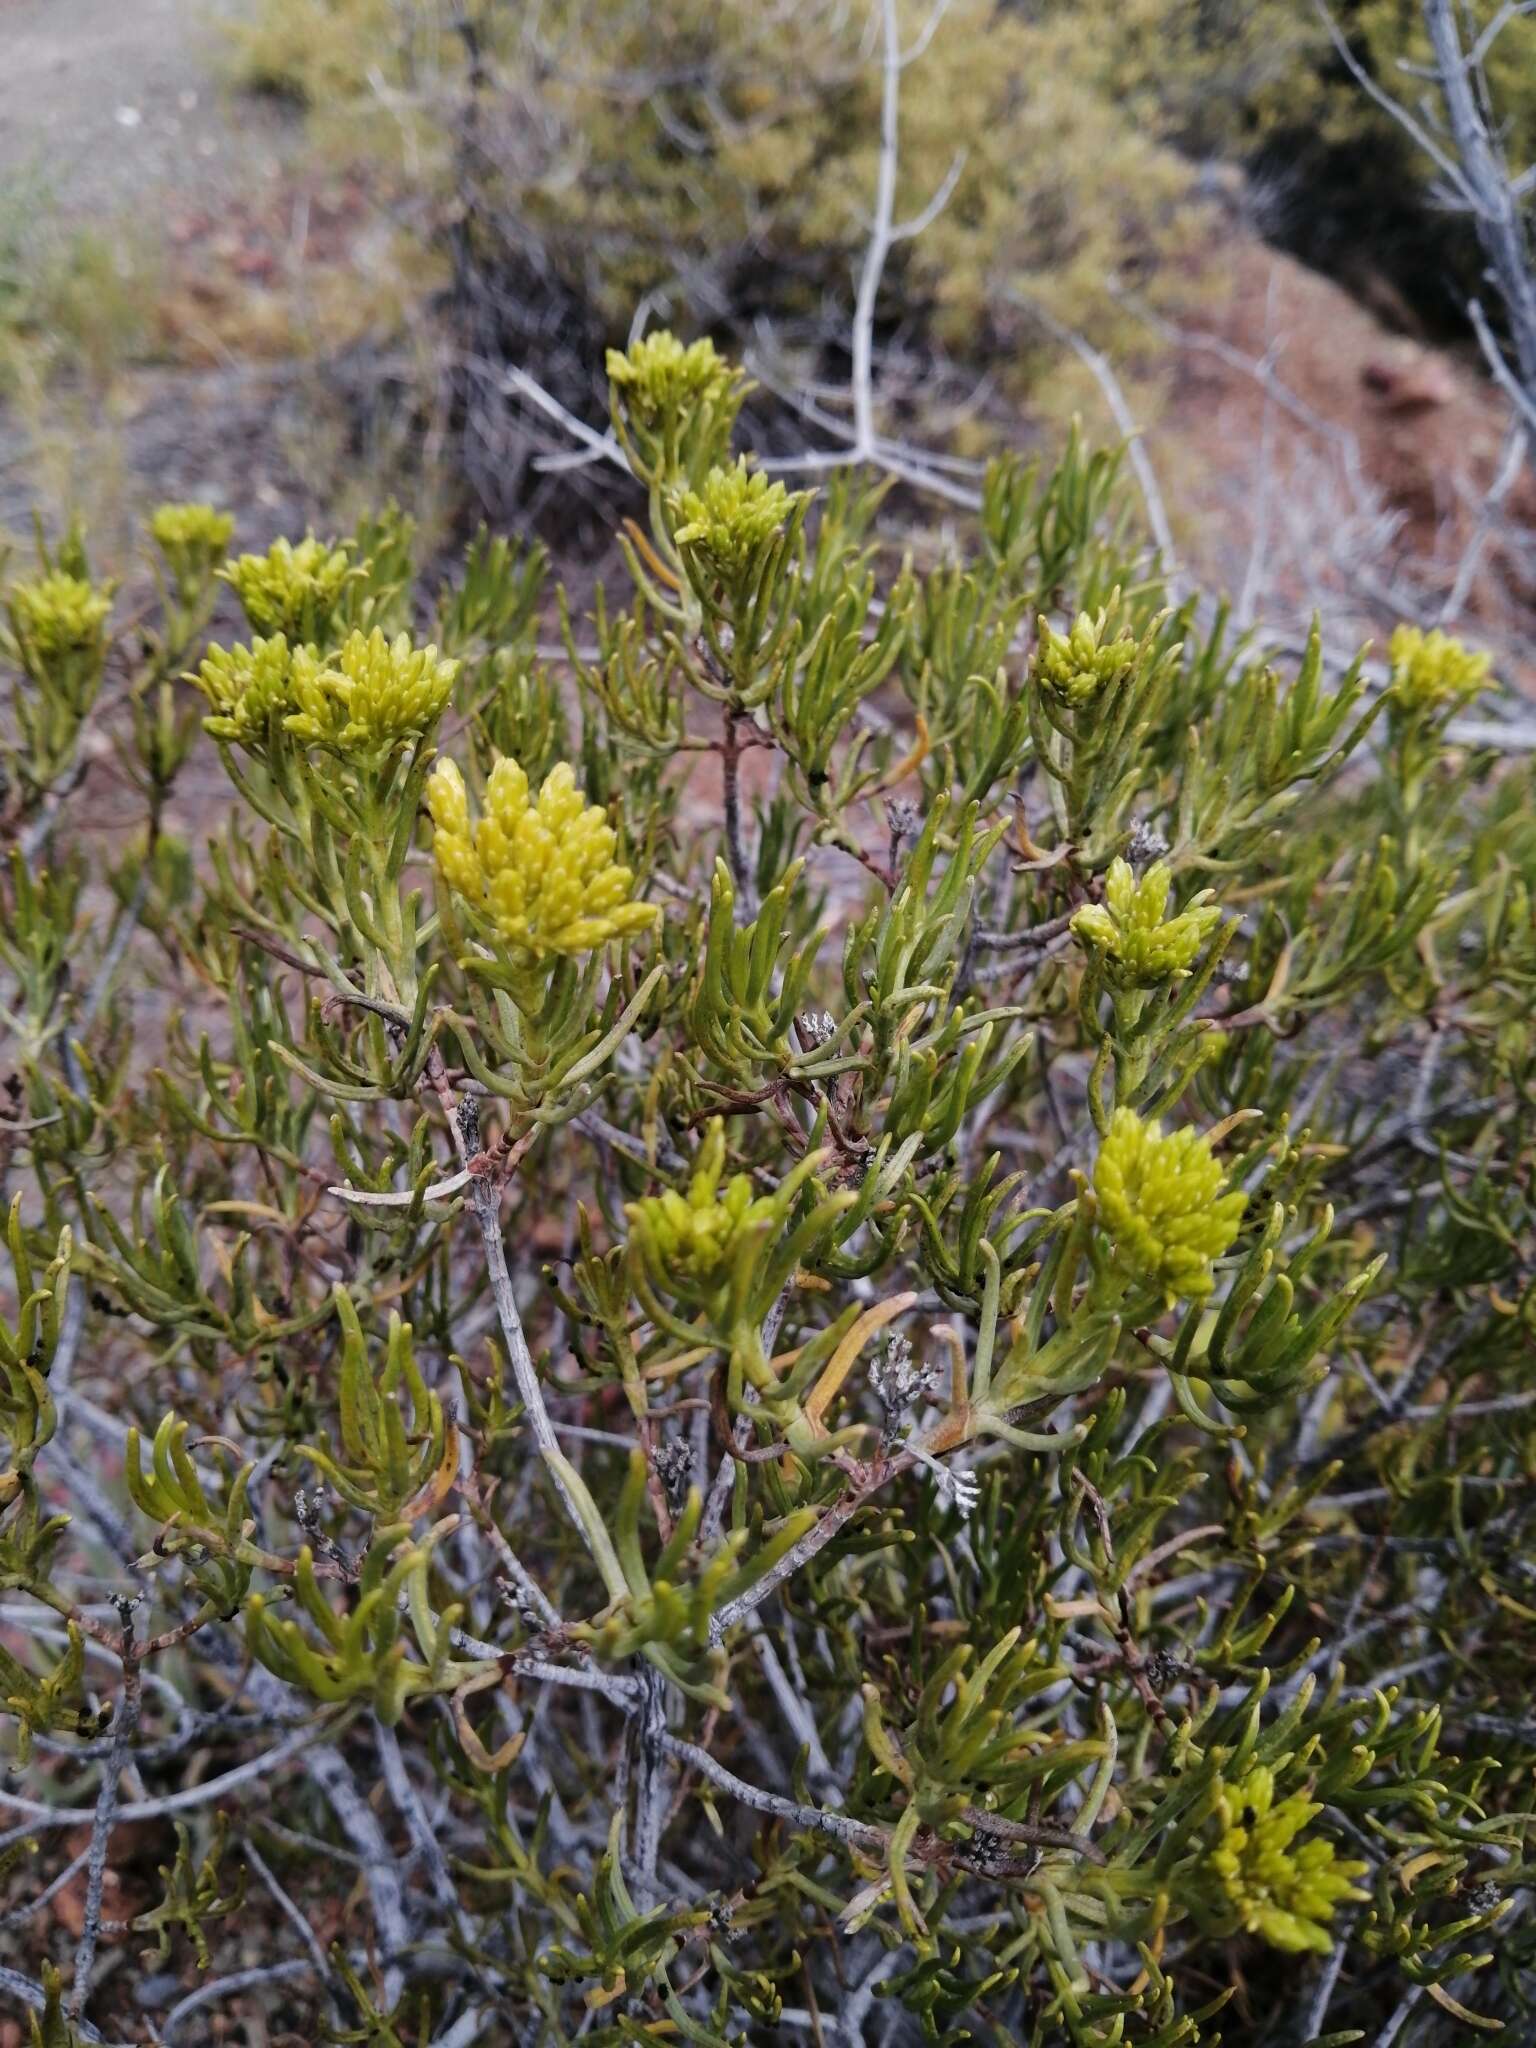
(1137, 945)
(1273, 1885)
(293, 589)
(1079, 665)
(57, 619)
(193, 540)
(661, 382)
(374, 695)
(540, 873)
(731, 521)
(1164, 1203)
(248, 687)
(1432, 672)
(688, 1241)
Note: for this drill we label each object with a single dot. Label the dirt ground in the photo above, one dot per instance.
(1316, 448)
(115, 118)
(1361, 451)
(107, 102)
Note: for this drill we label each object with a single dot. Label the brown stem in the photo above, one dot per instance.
(735, 849)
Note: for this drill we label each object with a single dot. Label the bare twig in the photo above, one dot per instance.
(817, 1817)
(878, 248)
(1516, 444)
(227, 1987)
(573, 1494)
(1399, 113)
(1135, 443)
(40, 1815)
(358, 1822)
(124, 1721)
(290, 1912)
(1523, 400)
(1500, 223)
(815, 1539)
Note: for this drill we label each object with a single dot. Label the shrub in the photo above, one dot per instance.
(719, 160)
(821, 1294)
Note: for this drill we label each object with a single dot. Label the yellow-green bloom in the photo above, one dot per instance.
(1164, 1202)
(58, 616)
(1275, 1886)
(730, 521)
(247, 688)
(183, 530)
(1130, 932)
(540, 871)
(371, 696)
(293, 590)
(688, 1241)
(660, 380)
(1432, 672)
(1083, 662)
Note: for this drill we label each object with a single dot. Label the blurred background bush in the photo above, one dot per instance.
(284, 252)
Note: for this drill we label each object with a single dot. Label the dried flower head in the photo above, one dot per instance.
(294, 588)
(57, 616)
(1164, 1202)
(899, 1382)
(661, 381)
(1145, 845)
(1432, 672)
(539, 871)
(729, 523)
(1137, 943)
(814, 1028)
(674, 1468)
(1277, 1887)
(957, 1489)
(1079, 665)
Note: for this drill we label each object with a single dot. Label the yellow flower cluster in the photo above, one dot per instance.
(688, 1240)
(293, 590)
(1163, 1202)
(58, 615)
(370, 697)
(1433, 672)
(1080, 664)
(1284, 1891)
(247, 687)
(660, 380)
(540, 871)
(186, 529)
(1131, 933)
(731, 519)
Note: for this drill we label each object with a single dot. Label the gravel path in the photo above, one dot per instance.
(104, 103)
(114, 117)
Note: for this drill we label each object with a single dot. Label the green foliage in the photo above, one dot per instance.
(855, 1262)
(193, 1895)
(51, 2029)
(1273, 1884)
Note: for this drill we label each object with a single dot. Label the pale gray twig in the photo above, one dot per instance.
(124, 1721)
(226, 1987)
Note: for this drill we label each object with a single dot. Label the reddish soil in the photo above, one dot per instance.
(1377, 418)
